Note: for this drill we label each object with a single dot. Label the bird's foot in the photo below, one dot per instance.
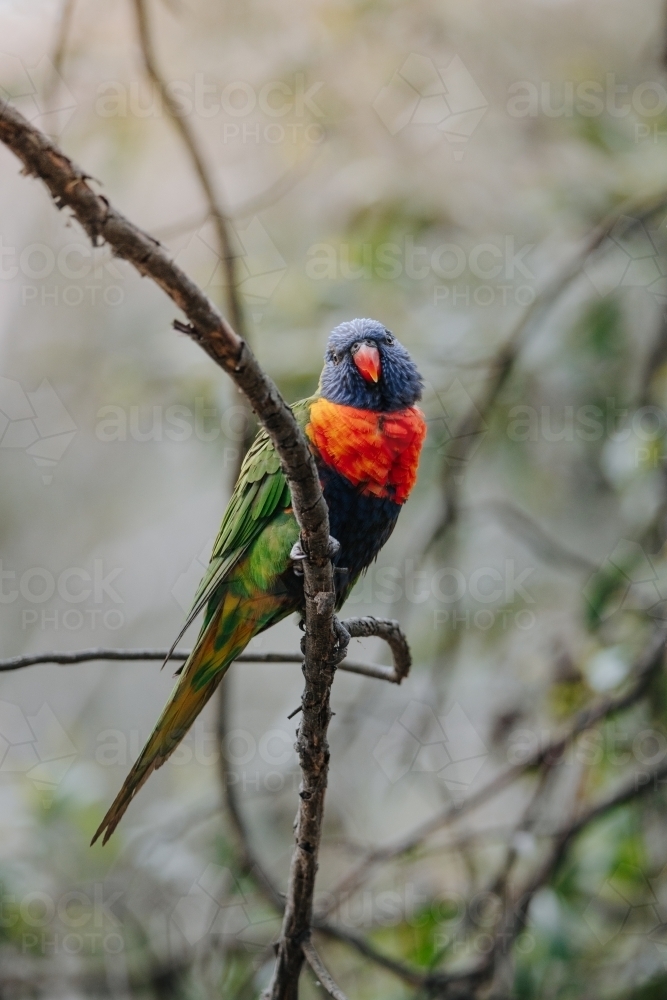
(342, 640)
(334, 547)
(297, 554)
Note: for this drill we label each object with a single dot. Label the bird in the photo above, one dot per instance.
(366, 433)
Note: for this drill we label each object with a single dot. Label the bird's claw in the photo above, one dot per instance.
(342, 641)
(297, 554)
(334, 547)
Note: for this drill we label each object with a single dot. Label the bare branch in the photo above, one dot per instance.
(88, 655)
(69, 187)
(459, 446)
(188, 135)
(355, 627)
(317, 965)
(539, 541)
(647, 665)
(389, 630)
(60, 49)
(415, 977)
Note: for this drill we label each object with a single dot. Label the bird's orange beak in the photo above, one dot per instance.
(367, 360)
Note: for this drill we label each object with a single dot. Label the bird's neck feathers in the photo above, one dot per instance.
(376, 452)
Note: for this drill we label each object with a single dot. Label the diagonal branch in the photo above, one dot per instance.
(317, 965)
(465, 434)
(68, 185)
(645, 669)
(638, 786)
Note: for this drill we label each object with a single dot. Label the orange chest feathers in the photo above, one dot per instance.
(378, 452)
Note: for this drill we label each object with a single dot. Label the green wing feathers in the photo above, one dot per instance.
(243, 594)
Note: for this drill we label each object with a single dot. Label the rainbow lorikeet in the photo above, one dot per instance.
(366, 435)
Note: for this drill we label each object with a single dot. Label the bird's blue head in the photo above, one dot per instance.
(366, 367)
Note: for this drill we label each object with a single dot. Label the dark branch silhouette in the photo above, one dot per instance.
(69, 187)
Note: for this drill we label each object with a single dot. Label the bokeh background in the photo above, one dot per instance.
(487, 179)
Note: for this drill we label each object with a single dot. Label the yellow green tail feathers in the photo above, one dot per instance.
(187, 701)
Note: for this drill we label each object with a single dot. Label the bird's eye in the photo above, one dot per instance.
(334, 358)
(388, 338)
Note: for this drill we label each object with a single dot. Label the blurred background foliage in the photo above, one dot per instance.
(441, 167)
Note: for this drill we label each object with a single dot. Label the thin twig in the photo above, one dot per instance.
(638, 786)
(60, 48)
(532, 534)
(86, 655)
(251, 865)
(317, 965)
(190, 141)
(257, 203)
(245, 855)
(458, 448)
(647, 665)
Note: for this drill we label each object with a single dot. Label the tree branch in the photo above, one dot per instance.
(457, 450)
(68, 185)
(60, 50)
(87, 655)
(517, 912)
(191, 143)
(389, 630)
(646, 666)
(317, 965)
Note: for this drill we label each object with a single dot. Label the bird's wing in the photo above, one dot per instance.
(260, 491)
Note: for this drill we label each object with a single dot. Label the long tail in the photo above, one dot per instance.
(202, 672)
